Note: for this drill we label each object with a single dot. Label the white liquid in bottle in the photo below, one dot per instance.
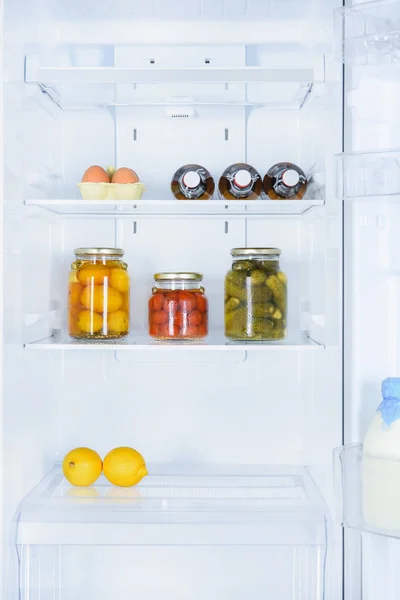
(381, 462)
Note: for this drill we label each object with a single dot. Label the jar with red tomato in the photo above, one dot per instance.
(178, 308)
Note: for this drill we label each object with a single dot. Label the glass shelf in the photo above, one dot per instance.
(368, 491)
(178, 506)
(142, 342)
(111, 77)
(370, 33)
(363, 174)
(176, 207)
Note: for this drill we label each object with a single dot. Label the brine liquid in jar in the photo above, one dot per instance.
(192, 182)
(178, 307)
(98, 294)
(255, 296)
(285, 181)
(240, 182)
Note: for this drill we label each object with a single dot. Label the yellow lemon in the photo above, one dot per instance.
(118, 322)
(93, 274)
(124, 467)
(82, 466)
(89, 322)
(119, 279)
(102, 299)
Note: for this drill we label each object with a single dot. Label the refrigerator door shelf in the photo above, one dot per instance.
(260, 506)
(369, 34)
(368, 491)
(363, 174)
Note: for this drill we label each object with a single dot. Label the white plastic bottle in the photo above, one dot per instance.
(381, 462)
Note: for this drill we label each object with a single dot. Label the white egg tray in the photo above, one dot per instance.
(111, 191)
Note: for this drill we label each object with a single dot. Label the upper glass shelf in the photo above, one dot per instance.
(369, 33)
(178, 506)
(136, 208)
(82, 77)
(368, 174)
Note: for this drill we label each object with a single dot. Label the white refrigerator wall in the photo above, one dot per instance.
(274, 407)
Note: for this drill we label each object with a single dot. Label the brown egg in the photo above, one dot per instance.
(124, 175)
(95, 174)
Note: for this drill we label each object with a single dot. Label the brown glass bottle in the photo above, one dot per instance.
(192, 182)
(285, 181)
(240, 182)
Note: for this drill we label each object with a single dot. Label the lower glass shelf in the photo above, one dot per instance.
(369, 491)
(178, 506)
(215, 341)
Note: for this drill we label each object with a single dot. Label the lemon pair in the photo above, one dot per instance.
(123, 467)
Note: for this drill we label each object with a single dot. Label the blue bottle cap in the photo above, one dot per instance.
(390, 405)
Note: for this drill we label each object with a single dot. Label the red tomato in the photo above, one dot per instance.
(154, 330)
(181, 319)
(201, 302)
(156, 301)
(171, 306)
(169, 330)
(187, 301)
(195, 317)
(202, 330)
(159, 317)
(190, 331)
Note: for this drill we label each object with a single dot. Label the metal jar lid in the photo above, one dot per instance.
(252, 251)
(178, 277)
(96, 251)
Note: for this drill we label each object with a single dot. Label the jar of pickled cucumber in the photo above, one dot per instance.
(178, 308)
(98, 294)
(255, 296)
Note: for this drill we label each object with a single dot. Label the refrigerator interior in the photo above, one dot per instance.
(155, 85)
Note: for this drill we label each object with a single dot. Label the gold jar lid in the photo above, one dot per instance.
(96, 251)
(178, 276)
(252, 251)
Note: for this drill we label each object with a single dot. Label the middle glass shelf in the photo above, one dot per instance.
(129, 208)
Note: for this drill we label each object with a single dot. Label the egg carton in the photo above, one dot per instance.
(111, 191)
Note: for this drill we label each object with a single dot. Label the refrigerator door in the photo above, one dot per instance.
(369, 183)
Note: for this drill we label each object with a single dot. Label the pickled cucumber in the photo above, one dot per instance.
(255, 301)
(232, 304)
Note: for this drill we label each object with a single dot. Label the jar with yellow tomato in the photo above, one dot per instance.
(98, 294)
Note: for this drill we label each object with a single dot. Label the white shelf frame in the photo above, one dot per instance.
(34, 73)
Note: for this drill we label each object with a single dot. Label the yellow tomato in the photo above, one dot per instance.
(73, 315)
(125, 303)
(93, 274)
(118, 322)
(119, 279)
(89, 322)
(82, 466)
(102, 299)
(74, 295)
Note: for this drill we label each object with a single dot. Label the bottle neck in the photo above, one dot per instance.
(269, 258)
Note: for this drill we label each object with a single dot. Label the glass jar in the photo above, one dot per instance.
(98, 294)
(178, 308)
(255, 296)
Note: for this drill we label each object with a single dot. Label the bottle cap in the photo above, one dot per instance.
(391, 388)
(242, 178)
(290, 178)
(191, 179)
